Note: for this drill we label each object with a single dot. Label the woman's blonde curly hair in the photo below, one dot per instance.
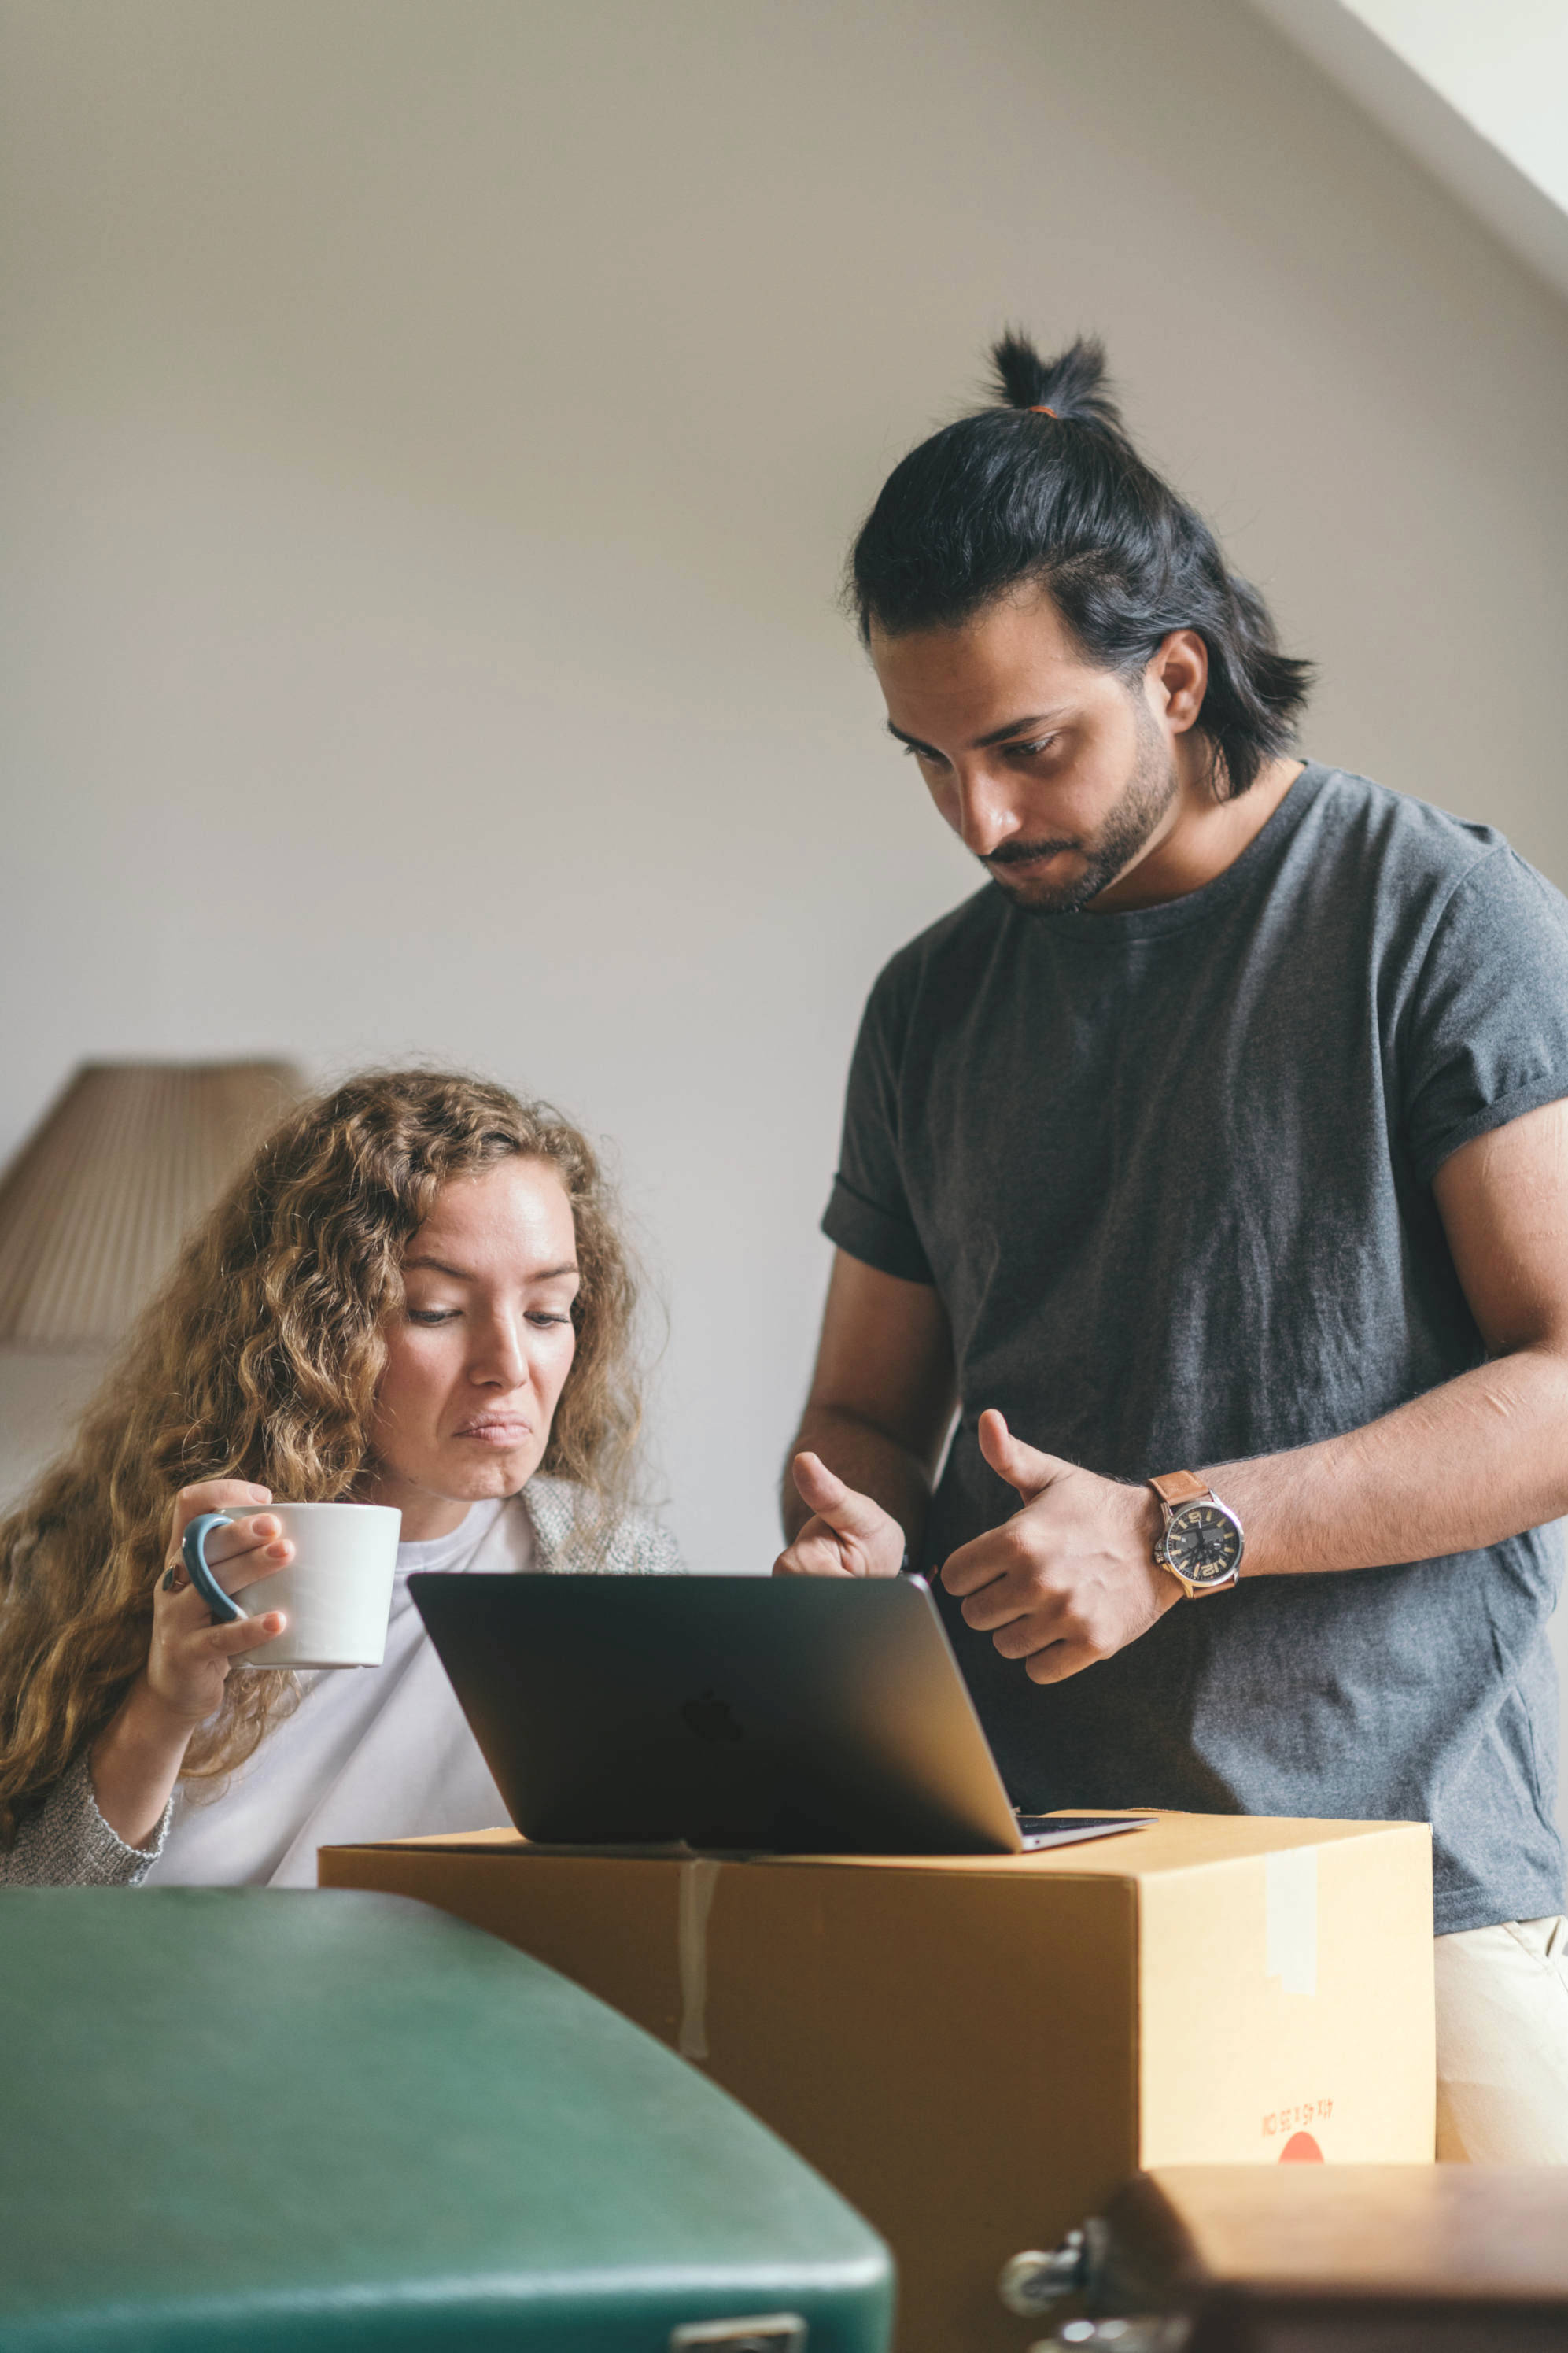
(259, 1361)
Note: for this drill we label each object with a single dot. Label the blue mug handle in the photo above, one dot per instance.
(193, 1553)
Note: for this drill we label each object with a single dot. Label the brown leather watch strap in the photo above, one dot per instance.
(1175, 1487)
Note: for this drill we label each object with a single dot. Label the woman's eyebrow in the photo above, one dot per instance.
(466, 1274)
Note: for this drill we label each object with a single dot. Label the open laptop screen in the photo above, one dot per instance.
(729, 1714)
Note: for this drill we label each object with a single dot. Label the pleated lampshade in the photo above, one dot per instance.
(100, 1198)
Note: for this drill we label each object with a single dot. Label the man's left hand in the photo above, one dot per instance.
(1070, 1578)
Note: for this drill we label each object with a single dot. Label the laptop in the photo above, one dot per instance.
(729, 1716)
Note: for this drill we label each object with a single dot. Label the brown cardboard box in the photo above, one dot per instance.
(976, 2051)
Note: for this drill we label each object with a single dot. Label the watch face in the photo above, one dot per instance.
(1204, 1543)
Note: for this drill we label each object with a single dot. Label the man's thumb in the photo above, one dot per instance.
(847, 1513)
(1024, 1467)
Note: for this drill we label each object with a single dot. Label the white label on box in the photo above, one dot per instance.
(698, 1880)
(1291, 1895)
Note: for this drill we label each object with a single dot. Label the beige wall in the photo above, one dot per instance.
(436, 430)
(1504, 67)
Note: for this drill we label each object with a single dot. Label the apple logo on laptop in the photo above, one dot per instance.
(710, 1718)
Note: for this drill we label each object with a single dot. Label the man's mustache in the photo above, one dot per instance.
(1020, 853)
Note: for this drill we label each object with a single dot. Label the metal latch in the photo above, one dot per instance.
(1143, 2333)
(764, 2332)
(1031, 2283)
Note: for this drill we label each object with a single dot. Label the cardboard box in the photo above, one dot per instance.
(977, 2051)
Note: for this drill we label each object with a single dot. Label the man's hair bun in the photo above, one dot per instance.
(1074, 385)
(1066, 503)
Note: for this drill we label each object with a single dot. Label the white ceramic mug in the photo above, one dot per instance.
(336, 1592)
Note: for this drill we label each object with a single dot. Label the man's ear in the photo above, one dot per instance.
(1178, 676)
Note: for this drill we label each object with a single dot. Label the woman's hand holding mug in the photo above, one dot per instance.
(137, 1758)
(188, 1660)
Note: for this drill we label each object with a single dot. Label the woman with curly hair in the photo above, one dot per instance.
(414, 1295)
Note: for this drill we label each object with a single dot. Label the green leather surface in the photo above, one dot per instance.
(247, 2119)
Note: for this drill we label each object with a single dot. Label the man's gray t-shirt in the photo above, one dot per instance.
(1171, 1173)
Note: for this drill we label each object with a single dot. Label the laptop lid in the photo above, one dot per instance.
(742, 1714)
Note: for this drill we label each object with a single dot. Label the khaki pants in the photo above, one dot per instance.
(1502, 2044)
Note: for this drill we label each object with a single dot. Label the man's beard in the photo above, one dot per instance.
(1149, 791)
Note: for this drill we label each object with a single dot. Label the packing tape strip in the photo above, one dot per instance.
(1290, 1901)
(699, 1878)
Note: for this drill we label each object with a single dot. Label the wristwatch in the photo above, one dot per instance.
(1202, 1543)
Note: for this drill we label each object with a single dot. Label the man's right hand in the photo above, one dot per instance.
(847, 1535)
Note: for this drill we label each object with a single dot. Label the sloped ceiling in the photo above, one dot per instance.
(1476, 89)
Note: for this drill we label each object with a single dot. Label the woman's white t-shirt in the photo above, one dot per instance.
(370, 1753)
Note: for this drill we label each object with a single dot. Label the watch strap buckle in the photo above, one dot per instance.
(1176, 1487)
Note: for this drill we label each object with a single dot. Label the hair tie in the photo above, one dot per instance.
(1039, 409)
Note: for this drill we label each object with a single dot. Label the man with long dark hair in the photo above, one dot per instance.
(1211, 1164)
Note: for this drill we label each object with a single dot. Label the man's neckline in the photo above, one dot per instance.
(1117, 926)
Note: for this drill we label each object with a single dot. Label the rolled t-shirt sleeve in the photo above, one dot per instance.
(1485, 1030)
(869, 1212)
